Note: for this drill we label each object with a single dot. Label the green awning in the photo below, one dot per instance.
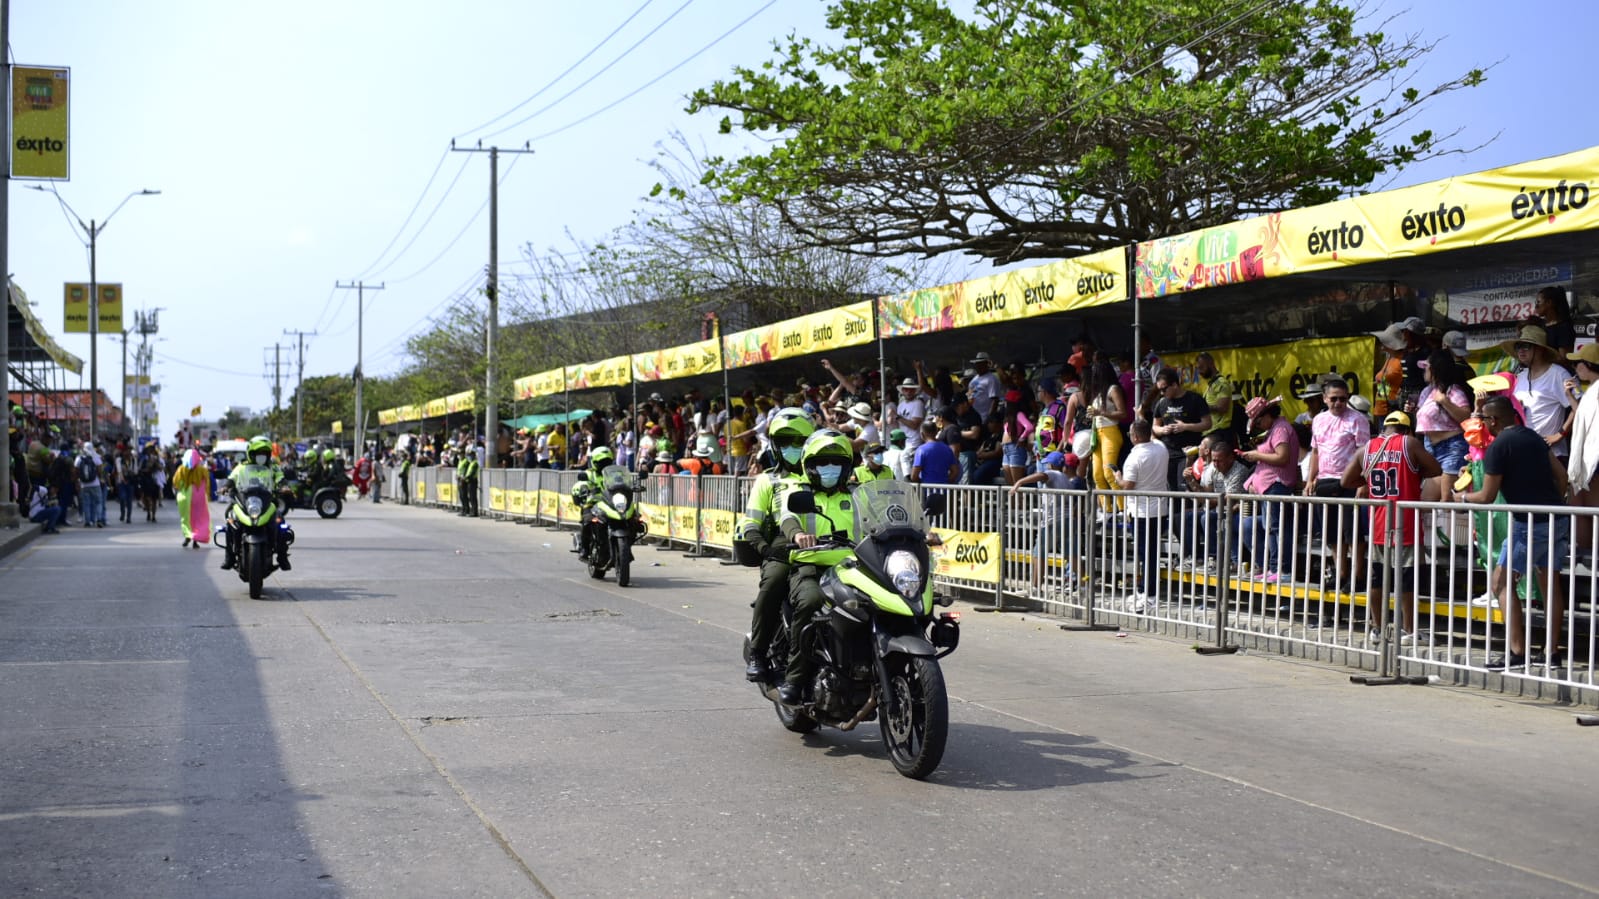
(536, 421)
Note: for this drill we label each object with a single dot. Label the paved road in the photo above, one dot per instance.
(432, 706)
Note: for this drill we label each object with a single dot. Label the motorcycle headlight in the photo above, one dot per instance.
(619, 501)
(253, 506)
(905, 570)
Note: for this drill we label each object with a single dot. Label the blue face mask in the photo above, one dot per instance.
(791, 454)
(829, 474)
(877, 458)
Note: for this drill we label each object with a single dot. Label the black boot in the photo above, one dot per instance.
(283, 562)
(228, 562)
(789, 694)
(756, 670)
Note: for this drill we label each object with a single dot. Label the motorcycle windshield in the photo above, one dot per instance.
(885, 505)
(615, 478)
(249, 479)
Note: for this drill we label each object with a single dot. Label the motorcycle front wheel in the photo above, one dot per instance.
(915, 719)
(255, 567)
(596, 561)
(619, 549)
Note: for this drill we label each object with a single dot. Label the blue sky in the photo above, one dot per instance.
(291, 140)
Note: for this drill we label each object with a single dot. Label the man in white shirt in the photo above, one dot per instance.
(1145, 470)
(908, 417)
(983, 390)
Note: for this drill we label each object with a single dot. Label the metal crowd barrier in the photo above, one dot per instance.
(1297, 575)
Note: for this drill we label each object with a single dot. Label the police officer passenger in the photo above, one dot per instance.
(826, 459)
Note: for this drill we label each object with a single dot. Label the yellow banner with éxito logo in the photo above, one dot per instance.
(967, 556)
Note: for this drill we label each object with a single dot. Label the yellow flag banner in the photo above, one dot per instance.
(1285, 369)
(967, 555)
(819, 332)
(76, 305)
(1061, 286)
(545, 383)
(612, 372)
(702, 357)
(1530, 199)
(40, 123)
(338, 426)
(465, 401)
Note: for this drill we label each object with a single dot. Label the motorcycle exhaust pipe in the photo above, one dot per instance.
(862, 715)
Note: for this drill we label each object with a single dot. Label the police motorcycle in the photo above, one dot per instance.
(256, 516)
(612, 520)
(876, 642)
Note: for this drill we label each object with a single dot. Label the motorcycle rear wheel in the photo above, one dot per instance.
(792, 719)
(596, 562)
(915, 724)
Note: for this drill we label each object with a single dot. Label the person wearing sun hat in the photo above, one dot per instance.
(983, 387)
(1541, 388)
(1584, 461)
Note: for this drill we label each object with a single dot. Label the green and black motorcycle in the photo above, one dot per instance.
(876, 642)
(255, 520)
(612, 519)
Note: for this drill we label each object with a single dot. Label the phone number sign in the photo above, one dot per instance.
(1504, 295)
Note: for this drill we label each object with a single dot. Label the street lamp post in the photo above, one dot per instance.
(94, 229)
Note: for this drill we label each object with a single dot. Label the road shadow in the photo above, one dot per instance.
(984, 757)
(140, 756)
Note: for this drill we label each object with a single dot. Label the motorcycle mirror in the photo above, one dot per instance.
(802, 503)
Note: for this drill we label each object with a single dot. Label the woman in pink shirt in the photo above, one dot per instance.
(1276, 461)
(1440, 409)
(1018, 435)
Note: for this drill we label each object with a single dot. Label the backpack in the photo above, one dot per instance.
(87, 470)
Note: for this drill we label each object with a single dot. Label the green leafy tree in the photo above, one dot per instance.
(1040, 129)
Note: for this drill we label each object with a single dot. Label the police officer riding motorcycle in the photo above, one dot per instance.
(759, 542)
(254, 530)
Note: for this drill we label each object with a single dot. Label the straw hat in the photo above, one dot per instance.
(1588, 354)
(1533, 334)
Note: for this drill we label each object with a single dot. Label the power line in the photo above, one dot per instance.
(462, 232)
(429, 220)
(221, 371)
(584, 58)
(652, 81)
(624, 54)
(412, 214)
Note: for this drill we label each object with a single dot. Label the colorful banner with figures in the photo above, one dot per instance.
(545, 383)
(612, 372)
(1530, 199)
(819, 332)
(40, 123)
(1060, 286)
(657, 518)
(702, 357)
(465, 401)
(1285, 369)
(967, 555)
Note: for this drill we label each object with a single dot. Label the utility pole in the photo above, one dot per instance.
(361, 287)
(277, 377)
(491, 411)
(299, 383)
(8, 509)
(146, 323)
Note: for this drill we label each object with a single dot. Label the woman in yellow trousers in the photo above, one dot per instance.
(1107, 410)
